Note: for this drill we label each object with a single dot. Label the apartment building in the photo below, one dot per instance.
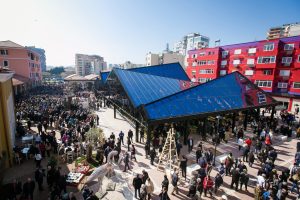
(189, 42)
(23, 61)
(273, 65)
(89, 64)
(286, 30)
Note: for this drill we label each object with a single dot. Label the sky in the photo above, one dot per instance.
(121, 30)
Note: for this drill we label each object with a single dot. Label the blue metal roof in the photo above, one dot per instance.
(172, 70)
(230, 92)
(144, 88)
(104, 76)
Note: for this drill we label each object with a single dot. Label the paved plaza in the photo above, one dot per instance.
(124, 188)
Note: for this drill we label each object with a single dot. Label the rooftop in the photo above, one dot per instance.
(9, 43)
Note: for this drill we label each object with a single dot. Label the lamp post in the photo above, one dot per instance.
(216, 137)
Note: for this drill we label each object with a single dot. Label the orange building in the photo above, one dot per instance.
(24, 62)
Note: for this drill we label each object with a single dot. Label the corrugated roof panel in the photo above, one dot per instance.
(230, 92)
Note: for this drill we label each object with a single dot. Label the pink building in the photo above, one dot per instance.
(24, 62)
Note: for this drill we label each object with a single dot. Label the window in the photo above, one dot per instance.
(296, 85)
(237, 51)
(269, 47)
(223, 62)
(282, 85)
(202, 54)
(194, 64)
(224, 54)
(252, 50)
(250, 61)
(249, 72)
(194, 55)
(194, 72)
(288, 47)
(265, 60)
(261, 97)
(5, 63)
(268, 72)
(261, 83)
(202, 62)
(206, 71)
(286, 60)
(3, 52)
(210, 62)
(223, 72)
(284, 73)
(204, 80)
(236, 62)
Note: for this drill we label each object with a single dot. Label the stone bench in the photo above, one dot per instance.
(191, 169)
(221, 159)
(281, 138)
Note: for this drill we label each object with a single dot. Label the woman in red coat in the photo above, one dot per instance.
(208, 185)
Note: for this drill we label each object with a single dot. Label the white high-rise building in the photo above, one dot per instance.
(190, 42)
(89, 64)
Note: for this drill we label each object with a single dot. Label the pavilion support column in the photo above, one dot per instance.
(204, 129)
(137, 127)
(149, 129)
(257, 114)
(246, 120)
(186, 132)
(272, 113)
(115, 112)
(233, 122)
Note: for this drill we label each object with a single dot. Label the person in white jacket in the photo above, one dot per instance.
(149, 188)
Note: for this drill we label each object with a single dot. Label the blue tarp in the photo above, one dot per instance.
(229, 92)
(144, 88)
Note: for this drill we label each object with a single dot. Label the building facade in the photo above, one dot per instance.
(273, 65)
(164, 58)
(89, 64)
(42, 54)
(286, 30)
(190, 42)
(23, 61)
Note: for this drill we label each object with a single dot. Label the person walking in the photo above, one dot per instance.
(126, 162)
(244, 178)
(164, 194)
(133, 153)
(235, 178)
(121, 136)
(149, 188)
(137, 183)
(228, 164)
(218, 182)
(152, 155)
(39, 177)
(130, 135)
(174, 182)
(183, 165)
(28, 189)
(190, 144)
(251, 158)
(165, 183)
(208, 185)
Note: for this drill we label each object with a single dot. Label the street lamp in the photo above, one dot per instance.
(216, 137)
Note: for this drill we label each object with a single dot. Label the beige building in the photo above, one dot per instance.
(164, 58)
(286, 30)
(89, 64)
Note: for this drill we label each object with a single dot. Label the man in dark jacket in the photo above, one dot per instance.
(126, 162)
(190, 144)
(244, 178)
(152, 155)
(137, 183)
(28, 189)
(145, 176)
(183, 165)
(39, 177)
(218, 182)
(165, 183)
(15, 189)
(235, 178)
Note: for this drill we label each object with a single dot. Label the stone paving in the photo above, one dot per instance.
(124, 189)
